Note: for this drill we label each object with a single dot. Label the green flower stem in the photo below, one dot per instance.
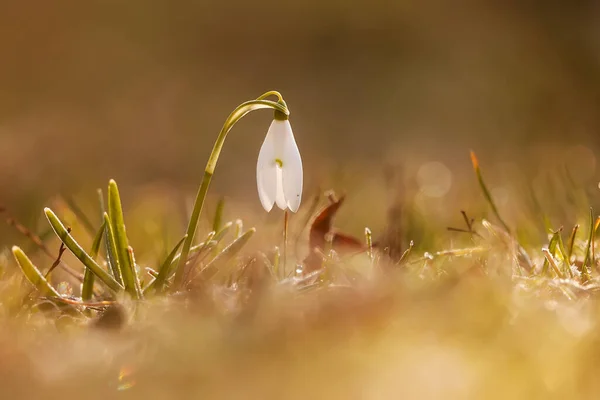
(234, 117)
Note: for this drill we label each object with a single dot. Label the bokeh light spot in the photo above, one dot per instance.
(434, 179)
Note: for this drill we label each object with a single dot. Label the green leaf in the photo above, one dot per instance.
(226, 254)
(218, 215)
(111, 255)
(87, 288)
(112, 249)
(585, 272)
(78, 251)
(165, 270)
(552, 249)
(32, 273)
(115, 212)
(486, 192)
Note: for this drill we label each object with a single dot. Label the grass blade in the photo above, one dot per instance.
(552, 250)
(78, 251)
(585, 272)
(111, 255)
(565, 257)
(112, 249)
(593, 260)
(486, 192)
(226, 254)
(115, 212)
(87, 288)
(136, 276)
(218, 220)
(572, 241)
(165, 270)
(32, 273)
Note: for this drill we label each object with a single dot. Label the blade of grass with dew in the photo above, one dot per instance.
(117, 222)
(552, 262)
(369, 242)
(111, 245)
(197, 248)
(552, 249)
(210, 270)
(486, 192)
(277, 262)
(219, 235)
(136, 275)
(79, 253)
(87, 289)
(572, 241)
(585, 272)
(565, 257)
(110, 250)
(163, 273)
(199, 257)
(406, 252)
(218, 219)
(32, 273)
(239, 228)
(593, 260)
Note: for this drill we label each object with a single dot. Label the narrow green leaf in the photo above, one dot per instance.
(239, 228)
(165, 270)
(486, 192)
(115, 212)
(585, 272)
(206, 245)
(226, 254)
(87, 288)
(276, 262)
(564, 256)
(222, 233)
(218, 215)
(78, 251)
(111, 255)
(32, 273)
(136, 276)
(112, 249)
(572, 241)
(552, 250)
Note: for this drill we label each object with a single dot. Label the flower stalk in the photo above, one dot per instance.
(237, 114)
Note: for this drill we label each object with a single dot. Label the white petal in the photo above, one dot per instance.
(292, 170)
(266, 173)
(277, 133)
(280, 197)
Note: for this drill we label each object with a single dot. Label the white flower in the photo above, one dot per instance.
(279, 168)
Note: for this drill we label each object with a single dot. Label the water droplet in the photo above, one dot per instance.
(65, 289)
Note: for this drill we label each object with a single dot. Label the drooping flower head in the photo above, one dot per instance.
(279, 168)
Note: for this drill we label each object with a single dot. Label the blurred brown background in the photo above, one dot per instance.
(137, 90)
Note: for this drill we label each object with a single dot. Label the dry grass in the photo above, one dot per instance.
(489, 314)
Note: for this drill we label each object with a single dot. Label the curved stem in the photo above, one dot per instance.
(237, 114)
(271, 93)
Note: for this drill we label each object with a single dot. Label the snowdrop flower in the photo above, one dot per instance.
(279, 167)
